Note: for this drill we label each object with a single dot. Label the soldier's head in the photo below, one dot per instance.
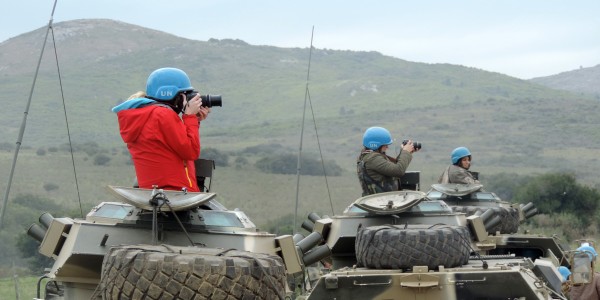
(564, 272)
(376, 137)
(461, 157)
(589, 250)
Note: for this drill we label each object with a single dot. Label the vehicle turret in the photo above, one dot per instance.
(406, 244)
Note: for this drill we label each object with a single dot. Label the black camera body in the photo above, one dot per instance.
(417, 145)
(207, 100)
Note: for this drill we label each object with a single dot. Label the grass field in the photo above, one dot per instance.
(262, 196)
(19, 288)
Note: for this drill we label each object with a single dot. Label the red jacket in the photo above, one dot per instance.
(162, 145)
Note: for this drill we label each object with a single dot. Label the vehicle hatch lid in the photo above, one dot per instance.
(178, 200)
(390, 203)
(455, 189)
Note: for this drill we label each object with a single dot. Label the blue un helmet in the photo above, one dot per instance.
(164, 84)
(376, 137)
(459, 153)
(589, 250)
(564, 272)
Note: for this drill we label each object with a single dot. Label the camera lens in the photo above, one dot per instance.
(416, 145)
(211, 100)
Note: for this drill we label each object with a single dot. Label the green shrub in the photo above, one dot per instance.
(50, 187)
(101, 160)
(221, 159)
(288, 164)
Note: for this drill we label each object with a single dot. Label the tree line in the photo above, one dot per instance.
(270, 161)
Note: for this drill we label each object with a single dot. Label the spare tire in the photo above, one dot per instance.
(406, 246)
(170, 272)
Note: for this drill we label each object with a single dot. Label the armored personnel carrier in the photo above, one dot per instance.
(413, 245)
(502, 220)
(158, 244)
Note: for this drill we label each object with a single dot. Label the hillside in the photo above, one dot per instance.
(583, 80)
(510, 125)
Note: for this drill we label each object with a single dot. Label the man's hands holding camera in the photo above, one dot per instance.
(194, 107)
(408, 145)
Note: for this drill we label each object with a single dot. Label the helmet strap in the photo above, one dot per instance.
(170, 104)
(178, 103)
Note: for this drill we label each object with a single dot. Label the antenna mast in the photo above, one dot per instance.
(22, 129)
(298, 169)
(298, 165)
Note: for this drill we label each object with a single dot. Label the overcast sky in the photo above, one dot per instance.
(520, 38)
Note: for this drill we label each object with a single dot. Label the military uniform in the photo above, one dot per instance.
(456, 174)
(379, 173)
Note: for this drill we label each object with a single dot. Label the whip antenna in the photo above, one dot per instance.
(26, 113)
(22, 129)
(298, 168)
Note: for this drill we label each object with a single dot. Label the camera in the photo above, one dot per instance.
(417, 145)
(207, 100)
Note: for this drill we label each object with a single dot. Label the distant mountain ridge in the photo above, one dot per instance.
(510, 123)
(583, 80)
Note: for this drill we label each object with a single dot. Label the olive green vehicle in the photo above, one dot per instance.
(157, 244)
(454, 242)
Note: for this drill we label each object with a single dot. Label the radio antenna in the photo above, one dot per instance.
(299, 168)
(26, 113)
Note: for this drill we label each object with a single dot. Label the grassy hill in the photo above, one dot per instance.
(583, 80)
(510, 125)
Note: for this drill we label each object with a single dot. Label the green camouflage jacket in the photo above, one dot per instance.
(456, 174)
(379, 173)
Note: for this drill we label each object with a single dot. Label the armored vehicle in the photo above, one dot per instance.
(413, 245)
(158, 244)
(502, 221)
